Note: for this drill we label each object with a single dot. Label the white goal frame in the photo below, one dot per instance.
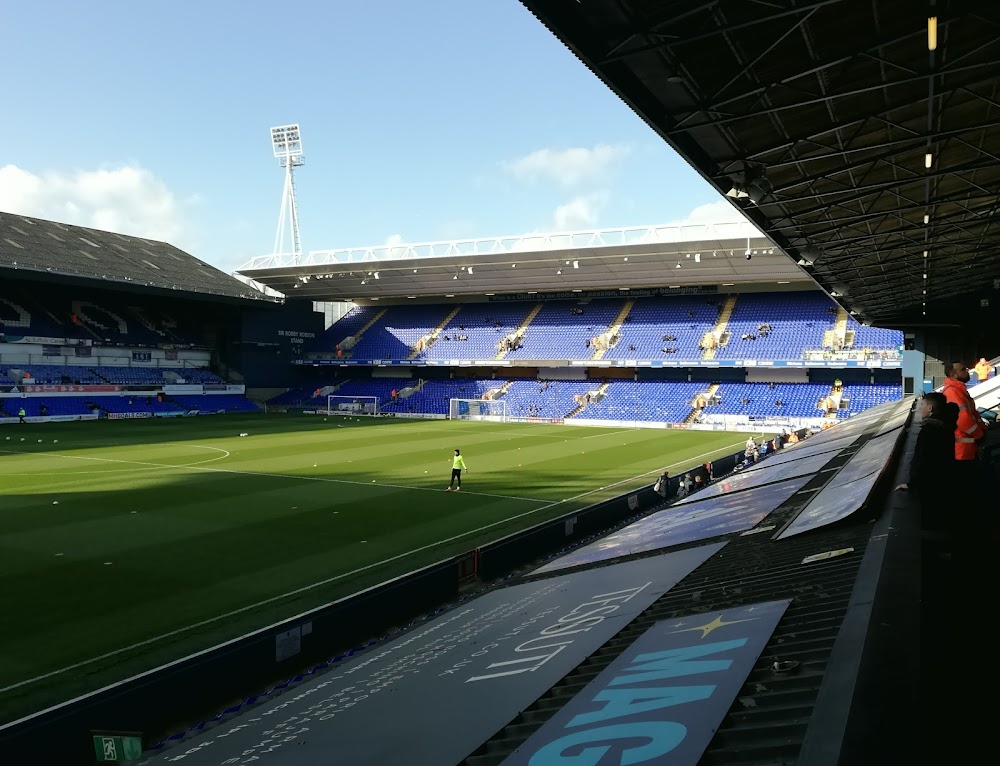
(337, 404)
(494, 410)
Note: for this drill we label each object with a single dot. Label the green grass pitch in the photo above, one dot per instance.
(126, 544)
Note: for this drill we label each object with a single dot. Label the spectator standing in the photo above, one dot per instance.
(686, 484)
(932, 467)
(662, 485)
(983, 369)
(969, 429)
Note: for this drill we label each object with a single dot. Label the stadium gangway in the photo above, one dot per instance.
(987, 395)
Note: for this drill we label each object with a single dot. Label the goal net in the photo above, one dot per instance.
(351, 405)
(477, 409)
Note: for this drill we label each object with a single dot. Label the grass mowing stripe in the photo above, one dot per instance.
(197, 467)
(351, 573)
(205, 543)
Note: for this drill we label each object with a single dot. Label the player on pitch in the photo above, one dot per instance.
(457, 464)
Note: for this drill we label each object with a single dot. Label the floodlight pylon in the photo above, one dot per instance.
(286, 142)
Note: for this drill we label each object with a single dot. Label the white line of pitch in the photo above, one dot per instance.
(328, 580)
(120, 470)
(194, 467)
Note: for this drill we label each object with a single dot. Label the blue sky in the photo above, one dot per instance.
(420, 120)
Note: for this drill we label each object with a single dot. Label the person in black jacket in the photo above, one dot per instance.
(932, 467)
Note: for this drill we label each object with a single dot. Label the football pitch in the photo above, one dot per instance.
(127, 544)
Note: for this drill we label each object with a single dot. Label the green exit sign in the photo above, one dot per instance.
(117, 748)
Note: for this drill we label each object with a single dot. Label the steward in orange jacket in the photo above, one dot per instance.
(971, 427)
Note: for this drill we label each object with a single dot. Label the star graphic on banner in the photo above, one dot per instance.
(708, 627)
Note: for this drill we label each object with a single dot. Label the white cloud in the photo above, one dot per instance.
(394, 240)
(566, 166)
(127, 200)
(713, 212)
(580, 212)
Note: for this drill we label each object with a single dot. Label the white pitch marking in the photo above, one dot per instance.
(321, 583)
(198, 467)
(110, 460)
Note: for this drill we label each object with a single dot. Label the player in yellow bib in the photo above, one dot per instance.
(457, 464)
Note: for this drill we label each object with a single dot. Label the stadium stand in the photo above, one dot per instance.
(345, 327)
(476, 330)
(48, 247)
(559, 332)
(434, 396)
(214, 403)
(395, 334)
(797, 321)
(118, 404)
(644, 401)
(777, 326)
(545, 399)
(657, 325)
(51, 374)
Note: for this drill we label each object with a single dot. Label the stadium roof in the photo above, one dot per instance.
(648, 256)
(843, 136)
(47, 248)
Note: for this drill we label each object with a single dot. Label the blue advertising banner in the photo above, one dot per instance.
(435, 694)
(663, 699)
(693, 363)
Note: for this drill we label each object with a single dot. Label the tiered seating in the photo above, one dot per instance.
(529, 398)
(395, 334)
(131, 376)
(686, 318)
(435, 395)
(557, 333)
(800, 400)
(58, 405)
(860, 398)
(102, 319)
(875, 338)
(56, 374)
(193, 374)
(645, 400)
(798, 321)
(134, 404)
(215, 403)
(485, 325)
(345, 327)
(295, 397)
(380, 387)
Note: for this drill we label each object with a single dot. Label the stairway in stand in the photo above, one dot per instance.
(719, 331)
(523, 326)
(615, 328)
(432, 336)
(602, 390)
(363, 330)
(696, 411)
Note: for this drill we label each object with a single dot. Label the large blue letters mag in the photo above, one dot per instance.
(663, 699)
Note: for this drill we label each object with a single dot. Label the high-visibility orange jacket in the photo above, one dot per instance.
(970, 425)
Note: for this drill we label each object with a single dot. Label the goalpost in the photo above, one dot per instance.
(477, 409)
(351, 405)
